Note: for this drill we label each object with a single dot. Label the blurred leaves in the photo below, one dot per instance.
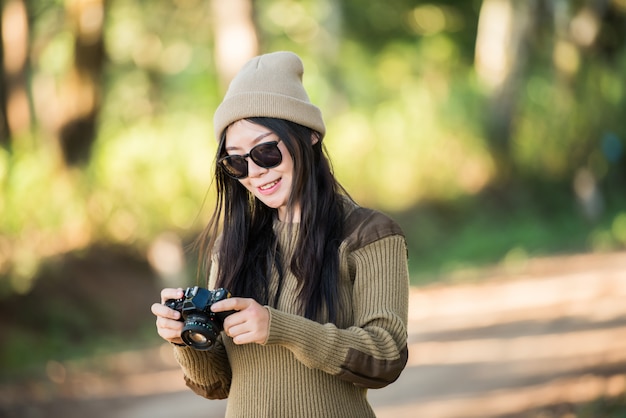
(407, 120)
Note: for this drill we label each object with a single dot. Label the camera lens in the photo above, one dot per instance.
(199, 332)
(197, 338)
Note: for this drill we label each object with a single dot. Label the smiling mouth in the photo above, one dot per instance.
(269, 185)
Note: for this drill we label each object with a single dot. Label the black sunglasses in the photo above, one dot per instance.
(265, 155)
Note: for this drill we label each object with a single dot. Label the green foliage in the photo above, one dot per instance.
(406, 130)
(605, 407)
(151, 177)
(456, 241)
(572, 134)
(406, 119)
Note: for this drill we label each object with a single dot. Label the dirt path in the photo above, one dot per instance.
(553, 332)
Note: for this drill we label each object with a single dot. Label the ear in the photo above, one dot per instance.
(315, 138)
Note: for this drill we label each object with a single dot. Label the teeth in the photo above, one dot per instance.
(268, 185)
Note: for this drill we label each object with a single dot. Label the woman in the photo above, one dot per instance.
(319, 285)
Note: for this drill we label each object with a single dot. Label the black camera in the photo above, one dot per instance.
(202, 326)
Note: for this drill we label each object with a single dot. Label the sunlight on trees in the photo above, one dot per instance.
(15, 48)
(430, 103)
(235, 36)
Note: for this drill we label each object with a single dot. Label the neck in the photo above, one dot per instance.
(284, 215)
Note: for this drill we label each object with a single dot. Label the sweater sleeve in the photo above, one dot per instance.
(373, 351)
(207, 373)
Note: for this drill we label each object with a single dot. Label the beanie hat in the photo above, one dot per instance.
(270, 86)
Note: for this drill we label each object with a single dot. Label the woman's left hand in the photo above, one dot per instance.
(249, 325)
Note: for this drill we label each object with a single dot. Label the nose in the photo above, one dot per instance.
(254, 170)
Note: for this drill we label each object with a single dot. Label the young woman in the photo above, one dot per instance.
(319, 284)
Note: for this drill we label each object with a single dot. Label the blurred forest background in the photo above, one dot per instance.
(493, 130)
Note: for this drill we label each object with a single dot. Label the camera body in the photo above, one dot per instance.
(202, 326)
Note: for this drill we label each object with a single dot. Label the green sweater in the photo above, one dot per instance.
(308, 369)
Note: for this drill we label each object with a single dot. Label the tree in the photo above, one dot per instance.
(81, 95)
(501, 52)
(235, 36)
(14, 108)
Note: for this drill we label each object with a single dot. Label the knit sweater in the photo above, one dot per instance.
(308, 369)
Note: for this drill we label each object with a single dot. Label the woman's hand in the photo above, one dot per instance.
(168, 325)
(249, 325)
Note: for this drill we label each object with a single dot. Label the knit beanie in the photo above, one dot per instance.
(269, 85)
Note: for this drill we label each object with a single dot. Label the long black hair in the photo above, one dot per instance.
(248, 250)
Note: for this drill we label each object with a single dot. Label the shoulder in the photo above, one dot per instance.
(364, 226)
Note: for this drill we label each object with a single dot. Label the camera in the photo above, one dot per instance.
(202, 326)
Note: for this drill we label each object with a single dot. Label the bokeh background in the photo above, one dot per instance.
(494, 131)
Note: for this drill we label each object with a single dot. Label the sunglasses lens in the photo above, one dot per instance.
(266, 155)
(235, 166)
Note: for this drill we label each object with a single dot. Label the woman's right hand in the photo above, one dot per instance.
(168, 325)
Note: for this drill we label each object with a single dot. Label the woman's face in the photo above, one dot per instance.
(272, 186)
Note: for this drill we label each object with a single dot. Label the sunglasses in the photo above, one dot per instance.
(265, 155)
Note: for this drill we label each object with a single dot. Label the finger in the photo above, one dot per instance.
(170, 336)
(232, 304)
(163, 311)
(243, 335)
(169, 325)
(170, 293)
(232, 321)
(250, 325)
(243, 338)
(254, 315)
(233, 326)
(169, 330)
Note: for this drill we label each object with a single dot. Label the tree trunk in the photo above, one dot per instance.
(16, 115)
(80, 95)
(235, 36)
(501, 52)
(4, 123)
